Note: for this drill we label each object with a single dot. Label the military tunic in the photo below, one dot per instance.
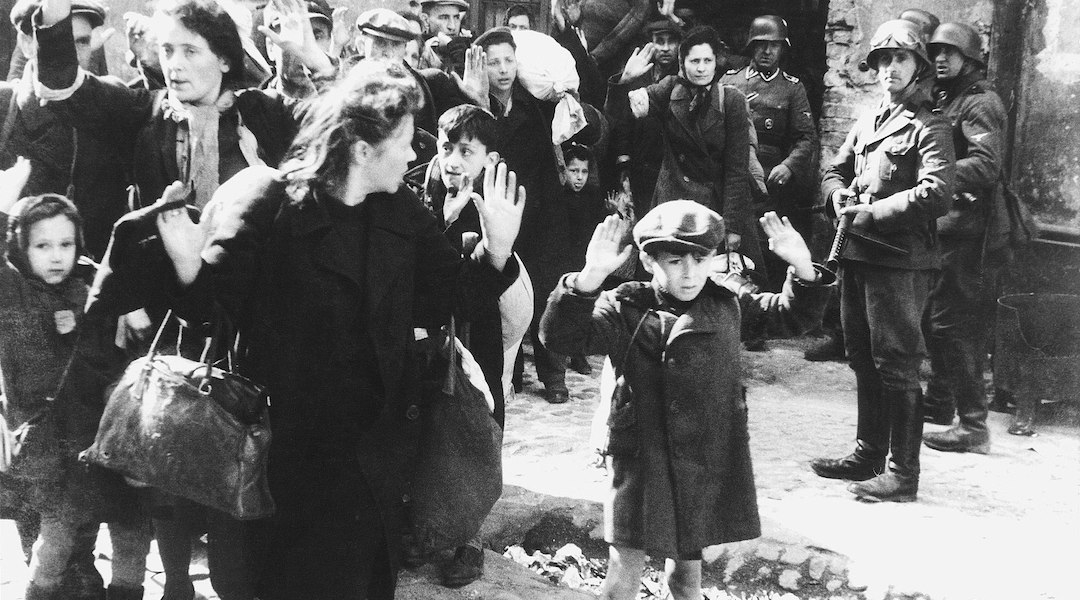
(899, 158)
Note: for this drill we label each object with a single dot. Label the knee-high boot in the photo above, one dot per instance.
(971, 434)
(900, 483)
(871, 437)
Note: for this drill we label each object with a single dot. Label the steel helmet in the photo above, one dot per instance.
(898, 34)
(768, 28)
(926, 21)
(961, 36)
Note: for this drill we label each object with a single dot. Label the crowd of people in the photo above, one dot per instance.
(336, 186)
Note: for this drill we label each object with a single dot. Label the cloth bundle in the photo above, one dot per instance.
(548, 72)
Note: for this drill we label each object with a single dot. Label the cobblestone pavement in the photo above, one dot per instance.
(1003, 525)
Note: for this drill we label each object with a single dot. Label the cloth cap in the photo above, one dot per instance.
(662, 25)
(320, 9)
(385, 23)
(681, 222)
(23, 11)
(462, 4)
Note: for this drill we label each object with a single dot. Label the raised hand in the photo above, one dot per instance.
(621, 204)
(457, 199)
(183, 238)
(500, 213)
(606, 252)
(12, 182)
(786, 243)
(295, 37)
(666, 8)
(639, 63)
(344, 28)
(475, 82)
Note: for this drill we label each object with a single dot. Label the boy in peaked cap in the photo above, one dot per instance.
(677, 434)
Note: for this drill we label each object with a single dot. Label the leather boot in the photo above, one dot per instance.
(831, 348)
(871, 437)
(115, 592)
(900, 483)
(939, 405)
(971, 434)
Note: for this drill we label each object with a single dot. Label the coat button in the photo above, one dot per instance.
(412, 413)
(686, 179)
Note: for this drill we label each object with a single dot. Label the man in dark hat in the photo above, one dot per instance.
(787, 138)
(639, 144)
(93, 180)
(290, 76)
(446, 38)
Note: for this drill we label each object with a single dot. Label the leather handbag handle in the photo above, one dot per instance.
(209, 349)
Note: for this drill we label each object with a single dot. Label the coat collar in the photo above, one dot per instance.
(388, 232)
(702, 316)
(680, 108)
(901, 118)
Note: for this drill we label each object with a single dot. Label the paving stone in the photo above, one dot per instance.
(834, 584)
(769, 552)
(816, 569)
(789, 579)
(794, 555)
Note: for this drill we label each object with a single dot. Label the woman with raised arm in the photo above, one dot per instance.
(326, 266)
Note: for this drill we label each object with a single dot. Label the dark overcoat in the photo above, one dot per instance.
(306, 319)
(33, 358)
(682, 472)
(705, 161)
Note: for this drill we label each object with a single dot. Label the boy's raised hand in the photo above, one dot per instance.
(500, 213)
(475, 82)
(605, 253)
(12, 182)
(786, 243)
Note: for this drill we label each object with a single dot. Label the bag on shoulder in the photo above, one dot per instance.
(190, 429)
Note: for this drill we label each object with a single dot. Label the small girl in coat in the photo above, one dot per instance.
(48, 352)
(678, 439)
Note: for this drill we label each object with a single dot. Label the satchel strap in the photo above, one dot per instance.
(209, 348)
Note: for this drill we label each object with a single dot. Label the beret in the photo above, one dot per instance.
(462, 4)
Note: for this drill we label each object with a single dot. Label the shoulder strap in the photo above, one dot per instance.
(9, 118)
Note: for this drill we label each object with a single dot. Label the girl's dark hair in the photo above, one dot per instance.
(702, 34)
(578, 151)
(208, 19)
(32, 210)
(467, 121)
(367, 105)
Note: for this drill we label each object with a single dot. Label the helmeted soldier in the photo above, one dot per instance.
(961, 300)
(784, 124)
(893, 177)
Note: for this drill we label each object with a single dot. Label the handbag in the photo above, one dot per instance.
(14, 439)
(190, 429)
(458, 473)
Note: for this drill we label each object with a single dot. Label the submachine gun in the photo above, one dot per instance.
(843, 230)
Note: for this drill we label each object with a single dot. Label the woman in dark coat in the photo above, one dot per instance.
(200, 129)
(706, 133)
(322, 267)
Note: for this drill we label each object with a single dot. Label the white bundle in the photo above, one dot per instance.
(548, 71)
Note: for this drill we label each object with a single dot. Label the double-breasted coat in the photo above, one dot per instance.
(682, 477)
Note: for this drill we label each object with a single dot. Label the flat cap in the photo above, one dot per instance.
(682, 223)
(23, 11)
(662, 25)
(462, 4)
(320, 9)
(385, 23)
